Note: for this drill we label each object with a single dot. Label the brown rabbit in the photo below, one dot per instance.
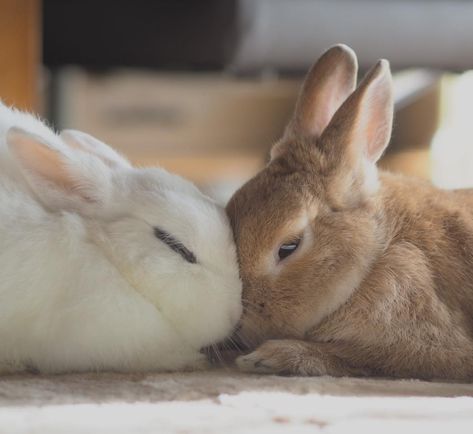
(348, 270)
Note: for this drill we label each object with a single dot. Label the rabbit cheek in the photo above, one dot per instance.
(256, 314)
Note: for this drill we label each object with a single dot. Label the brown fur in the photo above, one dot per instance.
(382, 282)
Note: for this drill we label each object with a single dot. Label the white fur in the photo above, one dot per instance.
(85, 285)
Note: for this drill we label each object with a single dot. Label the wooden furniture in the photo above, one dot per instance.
(214, 128)
(20, 43)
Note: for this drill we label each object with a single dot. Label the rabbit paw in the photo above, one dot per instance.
(293, 357)
(283, 357)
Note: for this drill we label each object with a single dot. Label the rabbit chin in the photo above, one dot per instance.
(200, 309)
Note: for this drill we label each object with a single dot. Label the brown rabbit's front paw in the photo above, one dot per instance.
(283, 357)
(293, 357)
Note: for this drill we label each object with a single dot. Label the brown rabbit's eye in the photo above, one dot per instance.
(288, 249)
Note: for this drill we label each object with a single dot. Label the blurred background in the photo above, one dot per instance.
(204, 88)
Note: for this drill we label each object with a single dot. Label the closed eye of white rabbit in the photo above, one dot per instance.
(175, 245)
(106, 266)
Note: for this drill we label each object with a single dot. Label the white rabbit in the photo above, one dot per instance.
(104, 266)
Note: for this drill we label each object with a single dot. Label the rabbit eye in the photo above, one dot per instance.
(175, 245)
(288, 249)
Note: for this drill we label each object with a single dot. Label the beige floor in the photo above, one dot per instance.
(227, 401)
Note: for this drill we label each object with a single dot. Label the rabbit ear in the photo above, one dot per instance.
(87, 143)
(360, 130)
(362, 126)
(327, 85)
(82, 184)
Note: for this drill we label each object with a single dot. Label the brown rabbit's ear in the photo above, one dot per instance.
(360, 131)
(362, 126)
(327, 85)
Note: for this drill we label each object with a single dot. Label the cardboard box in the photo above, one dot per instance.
(214, 128)
(149, 116)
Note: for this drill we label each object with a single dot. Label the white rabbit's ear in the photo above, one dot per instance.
(87, 143)
(60, 182)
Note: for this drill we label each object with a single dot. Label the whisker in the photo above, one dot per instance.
(217, 354)
(246, 341)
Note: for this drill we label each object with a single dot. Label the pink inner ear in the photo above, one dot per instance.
(375, 143)
(362, 125)
(376, 117)
(328, 103)
(39, 159)
(328, 84)
(44, 163)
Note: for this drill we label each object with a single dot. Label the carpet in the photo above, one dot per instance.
(226, 401)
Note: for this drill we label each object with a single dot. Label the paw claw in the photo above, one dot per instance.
(254, 363)
(260, 364)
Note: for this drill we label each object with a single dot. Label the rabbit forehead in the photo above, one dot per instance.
(177, 207)
(158, 193)
(269, 208)
(154, 180)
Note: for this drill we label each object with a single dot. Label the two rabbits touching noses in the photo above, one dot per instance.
(319, 265)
